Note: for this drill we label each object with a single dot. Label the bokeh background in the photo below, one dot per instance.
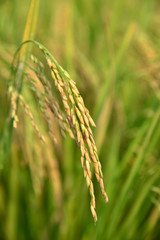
(112, 50)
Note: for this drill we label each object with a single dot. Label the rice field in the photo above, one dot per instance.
(79, 120)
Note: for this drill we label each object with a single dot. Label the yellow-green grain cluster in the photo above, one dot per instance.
(77, 120)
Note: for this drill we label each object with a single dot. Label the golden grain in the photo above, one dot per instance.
(79, 118)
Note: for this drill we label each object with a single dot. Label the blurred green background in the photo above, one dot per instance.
(112, 50)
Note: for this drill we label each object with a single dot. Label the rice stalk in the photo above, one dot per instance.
(78, 119)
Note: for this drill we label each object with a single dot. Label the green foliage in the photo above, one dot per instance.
(111, 50)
